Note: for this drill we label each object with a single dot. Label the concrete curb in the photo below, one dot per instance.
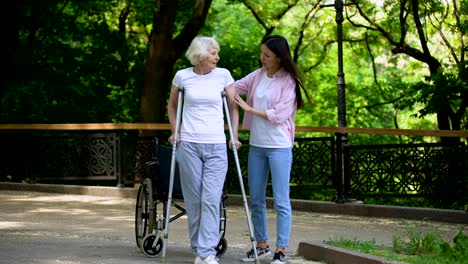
(385, 211)
(319, 251)
(355, 209)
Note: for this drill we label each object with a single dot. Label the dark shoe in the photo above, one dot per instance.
(261, 254)
(278, 258)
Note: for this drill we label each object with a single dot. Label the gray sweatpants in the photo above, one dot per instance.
(203, 169)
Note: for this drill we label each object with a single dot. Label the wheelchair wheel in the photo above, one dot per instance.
(151, 248)
(221, 247)
(144, 212)
(222, 244)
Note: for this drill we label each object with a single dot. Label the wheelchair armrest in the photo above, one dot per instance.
(152, 162)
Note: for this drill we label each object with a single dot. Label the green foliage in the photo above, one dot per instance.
(311, 194)
(417, 247)
(438, 92)
(429, 247)
(321, 195)
(365, 247)
(75, 67)
(410, 202)
(240, 37)
(418, 243)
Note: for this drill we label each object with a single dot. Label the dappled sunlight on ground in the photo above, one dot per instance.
(68, 198)
(69, 211)
(7, 225)
(57, 198)
(118, 218)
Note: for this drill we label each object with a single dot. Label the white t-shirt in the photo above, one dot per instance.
(202, 114)
(264, 133)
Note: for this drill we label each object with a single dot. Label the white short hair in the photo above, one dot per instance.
(199, 48)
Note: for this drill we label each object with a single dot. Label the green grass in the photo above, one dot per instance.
(416, 247)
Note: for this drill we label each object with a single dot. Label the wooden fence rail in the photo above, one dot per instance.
(165, 126)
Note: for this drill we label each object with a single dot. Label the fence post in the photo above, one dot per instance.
(339, 156)
(121, 157)
(346, 172)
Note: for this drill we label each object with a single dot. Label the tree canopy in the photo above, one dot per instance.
(113, 61)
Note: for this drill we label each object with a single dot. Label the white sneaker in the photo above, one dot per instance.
(210, 260)
(198, 260)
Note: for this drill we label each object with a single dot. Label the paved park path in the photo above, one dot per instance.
(46, 228)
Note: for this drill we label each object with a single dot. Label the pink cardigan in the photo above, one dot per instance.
(282, 107)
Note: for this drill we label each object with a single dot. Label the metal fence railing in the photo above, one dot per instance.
(400, 170)
(117, 154)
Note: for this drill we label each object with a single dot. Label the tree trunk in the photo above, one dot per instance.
(158, 74)
(159, 63)
(163, 51)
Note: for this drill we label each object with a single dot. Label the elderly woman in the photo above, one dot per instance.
(201, 152)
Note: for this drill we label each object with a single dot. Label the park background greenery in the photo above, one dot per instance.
(101, 61)
(112, 61)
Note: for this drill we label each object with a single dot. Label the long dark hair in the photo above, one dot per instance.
(279, 45)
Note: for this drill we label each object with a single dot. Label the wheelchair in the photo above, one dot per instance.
(152, 202)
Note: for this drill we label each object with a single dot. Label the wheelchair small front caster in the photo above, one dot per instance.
(221, 247)
(150, 247)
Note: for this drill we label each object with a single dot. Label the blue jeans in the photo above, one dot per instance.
(203, 169)
(261, 162)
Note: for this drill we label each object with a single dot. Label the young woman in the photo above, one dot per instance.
(273, 96)
(202, 153)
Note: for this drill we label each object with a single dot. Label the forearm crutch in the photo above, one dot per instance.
(172, 171)
(239, 174)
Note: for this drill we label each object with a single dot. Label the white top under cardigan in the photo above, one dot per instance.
(264, 133)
